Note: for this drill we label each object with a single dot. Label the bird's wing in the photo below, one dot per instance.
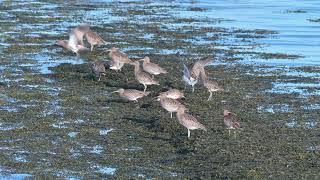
(186, 72)
(235, 121)
(73, 41)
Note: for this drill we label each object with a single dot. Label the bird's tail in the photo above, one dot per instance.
(164, 71)
(202, 127)
(156, 83)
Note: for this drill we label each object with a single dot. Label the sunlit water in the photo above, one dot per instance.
(296, 36)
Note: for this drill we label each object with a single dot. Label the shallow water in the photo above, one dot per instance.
(57, 121)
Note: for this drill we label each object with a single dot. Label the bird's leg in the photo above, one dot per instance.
(99, 77)
(145, 88)
(127, 80)
(235, 134)
(171, 115)
(91, 47)
(192, 88)
(229, 131)
(188, 133)
(210, 96)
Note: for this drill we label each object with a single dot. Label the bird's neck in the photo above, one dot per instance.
(180, 112)
(136, 69)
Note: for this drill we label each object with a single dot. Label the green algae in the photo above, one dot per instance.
(144, 140)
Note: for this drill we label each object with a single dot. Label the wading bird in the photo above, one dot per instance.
(93, 39)
(131, 94)
(152, 68)
(73, 44)
(211, 85)
(143, 77)
(191, 77)
(99, 68)
(188, 121)
(171, 105)
(188, 78)
(172, 94)
(230, 120)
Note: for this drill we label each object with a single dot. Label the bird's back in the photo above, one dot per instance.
(134, 94)
(120, 56)
(99, 67)
(145, 78)
(94, 38)
(190, 122)
(153, 68)
(170, 104)
(231, 122)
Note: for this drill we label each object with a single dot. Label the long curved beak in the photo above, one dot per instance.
(114, 92)
(156, 98)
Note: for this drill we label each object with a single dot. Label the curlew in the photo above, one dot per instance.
(94, 39)
(188, 78)
(99, 68)
(152, 68)
(211, 85)
(143, 77)
(80, 32)
(188, 121)
(171, 105)
(198, 67)
(230, 120)
(191, 77)
(131, 94)
(116, 55)
(73, 43)
(115, 65)
(173, 94)
(119, 58)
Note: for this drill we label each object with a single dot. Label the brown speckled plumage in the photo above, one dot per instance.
(173, 94)
(152, 68)
(116, 55)
(188, 121)
(99, 68)
(211, 85)
(132, 94)
(230, 120)
(143, 77)
(94, 39)
(171, 105)
(198, 68)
